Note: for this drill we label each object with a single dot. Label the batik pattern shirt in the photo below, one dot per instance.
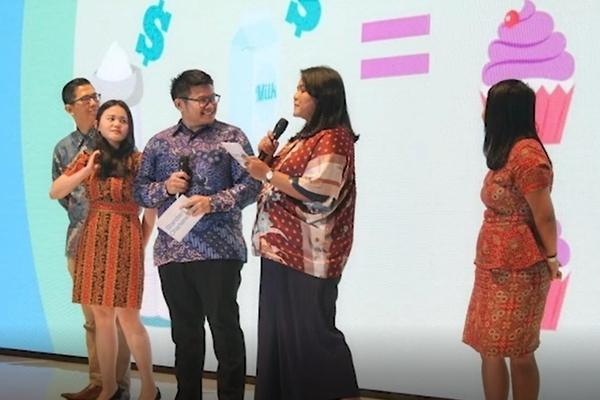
(217, 175)
(75, 203)
(313, 236)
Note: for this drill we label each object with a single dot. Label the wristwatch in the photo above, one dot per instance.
(269, 176)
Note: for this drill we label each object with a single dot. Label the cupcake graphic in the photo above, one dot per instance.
(558, 288)
(528, 49)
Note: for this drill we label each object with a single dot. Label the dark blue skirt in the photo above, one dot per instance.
(301, 354)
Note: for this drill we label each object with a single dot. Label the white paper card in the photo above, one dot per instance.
(175, 222)
(236, 151)
(565, 273)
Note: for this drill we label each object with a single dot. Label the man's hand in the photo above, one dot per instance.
(177, 183)
(197, 205)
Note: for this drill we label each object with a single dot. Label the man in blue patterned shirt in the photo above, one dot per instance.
(200, 275)
(81, 102)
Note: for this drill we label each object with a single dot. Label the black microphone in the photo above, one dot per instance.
(280, 127)
(184, 165)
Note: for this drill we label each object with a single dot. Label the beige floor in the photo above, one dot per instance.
(39, 379)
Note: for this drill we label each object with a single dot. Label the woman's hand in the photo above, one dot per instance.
(256, 168)
(92, 165)
(267, 145)
(554, 265)
(65, 184)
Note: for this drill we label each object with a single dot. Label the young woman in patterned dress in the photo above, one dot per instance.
(109, 272)
(516, 249)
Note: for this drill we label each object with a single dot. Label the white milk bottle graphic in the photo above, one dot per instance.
(154, 309)
(118, 79)
(254, 72)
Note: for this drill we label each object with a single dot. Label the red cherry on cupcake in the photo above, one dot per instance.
(511, 18)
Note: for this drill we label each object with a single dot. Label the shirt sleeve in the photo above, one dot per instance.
(57, 170)
(147, 192)
(244, 190)
(532, 169)
(78, 163)
(325, 172)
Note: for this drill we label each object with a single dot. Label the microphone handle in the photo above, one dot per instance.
(262, 156)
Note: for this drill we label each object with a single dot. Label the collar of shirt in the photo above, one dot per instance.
(181, 128)
(80, 138)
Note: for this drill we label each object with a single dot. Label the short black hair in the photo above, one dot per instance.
(68, 92)
(184, 82)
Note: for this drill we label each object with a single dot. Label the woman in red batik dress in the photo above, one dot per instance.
(516, 249)
(109, 271)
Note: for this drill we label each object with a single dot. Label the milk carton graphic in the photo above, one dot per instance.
(255, 64)
(117, 79)
(154, 310)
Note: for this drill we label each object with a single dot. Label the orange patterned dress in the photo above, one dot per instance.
(109, 264)
(512, 277)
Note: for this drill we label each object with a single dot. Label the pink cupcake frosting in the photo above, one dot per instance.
(528, 48)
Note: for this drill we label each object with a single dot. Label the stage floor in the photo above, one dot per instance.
(41, 379)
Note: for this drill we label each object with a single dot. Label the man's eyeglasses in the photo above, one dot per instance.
(203, 101)
(87, 99)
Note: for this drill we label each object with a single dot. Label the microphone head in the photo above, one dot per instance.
(280, 127)
(184, 164)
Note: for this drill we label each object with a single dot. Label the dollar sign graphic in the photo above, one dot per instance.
(308, 20)
(154, 34)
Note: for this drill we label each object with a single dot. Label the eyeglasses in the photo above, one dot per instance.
(203, 101)
(87, 99)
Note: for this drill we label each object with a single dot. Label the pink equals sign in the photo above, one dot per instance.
(397, 28)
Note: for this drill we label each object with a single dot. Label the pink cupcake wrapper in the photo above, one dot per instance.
(554, 304)
(551, 113)
(552, 108)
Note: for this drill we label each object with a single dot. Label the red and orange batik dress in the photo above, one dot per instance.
(109, 267)
(512, 277)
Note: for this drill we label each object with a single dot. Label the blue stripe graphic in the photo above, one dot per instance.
(22, 321)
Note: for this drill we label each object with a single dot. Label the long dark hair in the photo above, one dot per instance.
(113, 162)
(326, 86)
(509, 117)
